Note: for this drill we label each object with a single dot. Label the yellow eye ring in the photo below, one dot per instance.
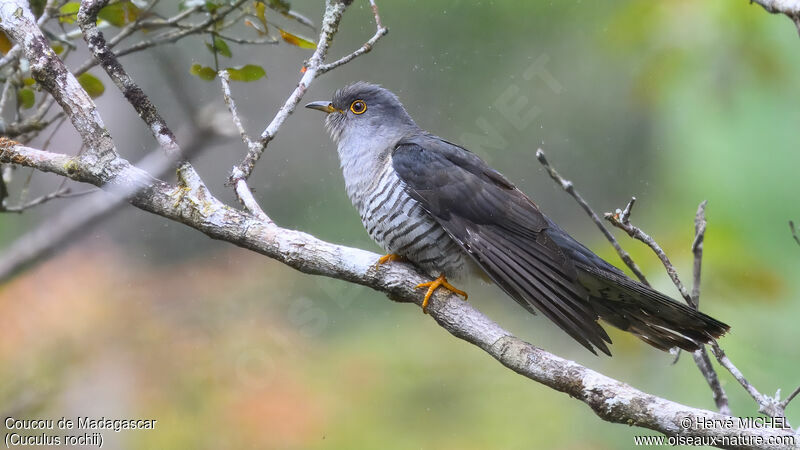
(358, 107)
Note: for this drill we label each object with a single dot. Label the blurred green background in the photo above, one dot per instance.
(673, 102)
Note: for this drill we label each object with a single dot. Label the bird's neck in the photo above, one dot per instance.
(363, 159)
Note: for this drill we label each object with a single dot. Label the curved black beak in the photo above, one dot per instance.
(323, 106)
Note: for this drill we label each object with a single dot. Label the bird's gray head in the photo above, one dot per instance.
(365, 112)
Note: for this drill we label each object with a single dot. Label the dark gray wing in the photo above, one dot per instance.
(502, 229)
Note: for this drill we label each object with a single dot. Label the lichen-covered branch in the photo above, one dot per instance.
(789, 8)
(87, 19)
(610, 399)
(49, 71)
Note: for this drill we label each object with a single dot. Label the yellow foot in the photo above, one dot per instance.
(433, 285)
(389, 258)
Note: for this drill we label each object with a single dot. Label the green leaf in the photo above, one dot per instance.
(93, 86)
(119, 14)
(261, 10)
(26, 98)
(58, 48)
(28, 81)
(69, 12)
(297, 40)
(282, 6)
(203, 72)
(5, 43)
(249, 72)
(37, 7)
(222, 47)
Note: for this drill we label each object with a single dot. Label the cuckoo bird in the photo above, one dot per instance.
(439, 206)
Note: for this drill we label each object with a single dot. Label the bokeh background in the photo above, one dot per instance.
(673, 102)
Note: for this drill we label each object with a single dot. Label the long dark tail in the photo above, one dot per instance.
(652, 316)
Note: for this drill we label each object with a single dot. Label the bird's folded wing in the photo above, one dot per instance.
(501, 229)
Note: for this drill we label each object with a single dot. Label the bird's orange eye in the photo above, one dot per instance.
(358, 107)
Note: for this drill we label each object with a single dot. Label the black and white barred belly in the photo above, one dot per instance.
(400, 225)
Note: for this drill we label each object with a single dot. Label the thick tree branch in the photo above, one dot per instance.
(610, 399)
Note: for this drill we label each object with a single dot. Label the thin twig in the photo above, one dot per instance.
(243, 191)
(621, 220)
(794, 232)
(224, 79)
(87, 19)
(697, 250)
(701, 358)
(313, 68)
(791, 397)
(330, 25)
(568, 186)
(770, 406)
(379, 33)
(59, 193)
(161, 39)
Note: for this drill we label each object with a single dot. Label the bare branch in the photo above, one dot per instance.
(330, 25)
(47, 69)
(334, 9)
(59, 193)
(621, 220)
(766, 404)
(791, 397)
(700, 357)
(790, 8)
(568, 186)
(379, 33)
(224, 79)
(794, 232)
(243, 191)
(57, 232)
(87, 19)
(163, 38)
(697, 249)
(703, 363)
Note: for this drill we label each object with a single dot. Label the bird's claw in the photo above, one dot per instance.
(435, 284)
(388, 258)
